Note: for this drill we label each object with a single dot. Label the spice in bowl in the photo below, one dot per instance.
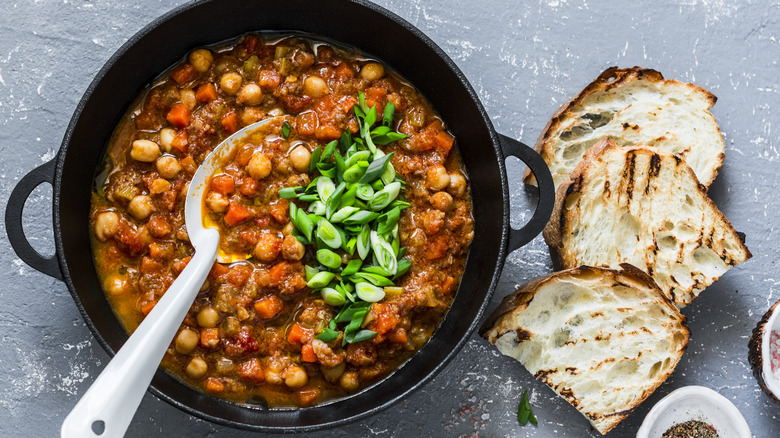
(691, 429)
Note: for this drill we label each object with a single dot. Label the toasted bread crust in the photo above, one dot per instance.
(500, 322)
(612, 78)
(556, 231)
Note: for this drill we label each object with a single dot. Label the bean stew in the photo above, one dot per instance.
(345, 223)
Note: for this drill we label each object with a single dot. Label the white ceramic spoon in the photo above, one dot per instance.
(109, 405)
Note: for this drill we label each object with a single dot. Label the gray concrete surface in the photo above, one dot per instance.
(524, 59)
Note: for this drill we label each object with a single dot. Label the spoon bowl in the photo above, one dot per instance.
(109, 405)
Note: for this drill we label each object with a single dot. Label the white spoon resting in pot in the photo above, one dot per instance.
(109, 405)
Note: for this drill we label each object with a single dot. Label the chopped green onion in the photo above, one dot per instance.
(285, 126)
(345, 141)
(310, 271)
(325, 188)
(340, 165)
(364, 241)
(357, 156)
(380, 130)
(388, 221)
(308, 198)
(328, 258)
(317, 207)
(351, 268)
(328, 151)
(387, 115)
(315, 158)
(350, 246)
(384, 253)
(388, 175)
(332, 297)
(403, 268)
(377, 280)
(329, 234)
(354, 173)
(384, 197)
(361, 217)
(371, 269)
(321, 279)
(369, 292)
(362, 335)
(364, 192)
(328, 335)
(327, 169)
(388, 138)
(343, 214)
(289, 192)
(377, 168)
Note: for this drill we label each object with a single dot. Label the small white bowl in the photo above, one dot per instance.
(694, 403)
(760, 354)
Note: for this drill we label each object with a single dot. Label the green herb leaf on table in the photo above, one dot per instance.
(524, 413)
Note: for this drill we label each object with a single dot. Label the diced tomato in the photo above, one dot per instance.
(386, 318)
(280, 210)
(179, 115)
(308, 396)
(374, 96)
(183, 74)
(158, 226)
(223, 184)
(213, 386)
(149, 265)
(218, 271)
(448, 285)
(239, 274)
(299, 334)
(206, 93)
(269, 306)
(236, 214)
(230, 122)
(129, 241)
(241, 344)
(436, 247)
(209, 338)
(327, 133)
(251, 370)
(308, 354)
(180, 264)
(251, 43)
(398, 336)
(161, 251)
(346, 103)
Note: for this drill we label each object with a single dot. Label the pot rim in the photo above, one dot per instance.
(501, 256)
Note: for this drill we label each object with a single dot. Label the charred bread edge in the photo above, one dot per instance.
(611, 78)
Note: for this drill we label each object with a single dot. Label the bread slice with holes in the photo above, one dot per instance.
(644, 206)
(635, 105)
(602, 339)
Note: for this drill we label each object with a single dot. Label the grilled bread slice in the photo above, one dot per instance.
(602, 339)
(635, 105)
(644, 206)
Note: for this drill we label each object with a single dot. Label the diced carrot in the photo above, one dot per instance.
(308, 396)
(308, 354)
(223, 184)
(385, 322)
(183, 73)
(230, 122)
(398, 336)
(444, 141)
(180, 264)
(218, 270)
(306, 123)
(375, 94)
(299, 334)
(148, 306)
(344, 71)
(179, 115)
(188, 164)
(180, 142)
(327, 133)
(236, 214)
(206, 93)
(158, 226)
(251, 370)
(280, 210)
(161, 251)
(276, 273)
(249, 186)
(269, 306)
(149, 265)
(239, 274)
(347, 102)
(448, 285)
(436, 247)
(209, 337)
(214, 386)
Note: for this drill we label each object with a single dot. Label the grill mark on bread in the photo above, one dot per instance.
(522, 335)
(630, 169)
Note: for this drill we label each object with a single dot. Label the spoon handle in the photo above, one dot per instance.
(115, 395)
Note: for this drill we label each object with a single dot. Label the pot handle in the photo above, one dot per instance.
(13, 220)
(544, 206)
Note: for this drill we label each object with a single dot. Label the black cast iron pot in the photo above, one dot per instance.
(356, 23)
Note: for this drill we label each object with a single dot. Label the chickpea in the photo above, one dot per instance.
(267, 248)
(273, 377)
(442, 201)
(168, 166)
(437, 177)
(457, 186)
(145, 151)
(230, 83)
(201, 59)
(186, 341)
(292, 249)
(217, 202)
(288, 229)
(349, 381)
(106, 225)
(158, 186)
(259, 166)
(208, 317)
(166, 138)
(300, 158)
(251, 94)
(140, 207)
(372, 71)
(116, 285)
(196, 368)
(295, 376)
(315, 86)
(332, 374)
(187, 97)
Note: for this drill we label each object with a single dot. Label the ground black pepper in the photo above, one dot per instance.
(691, 429)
